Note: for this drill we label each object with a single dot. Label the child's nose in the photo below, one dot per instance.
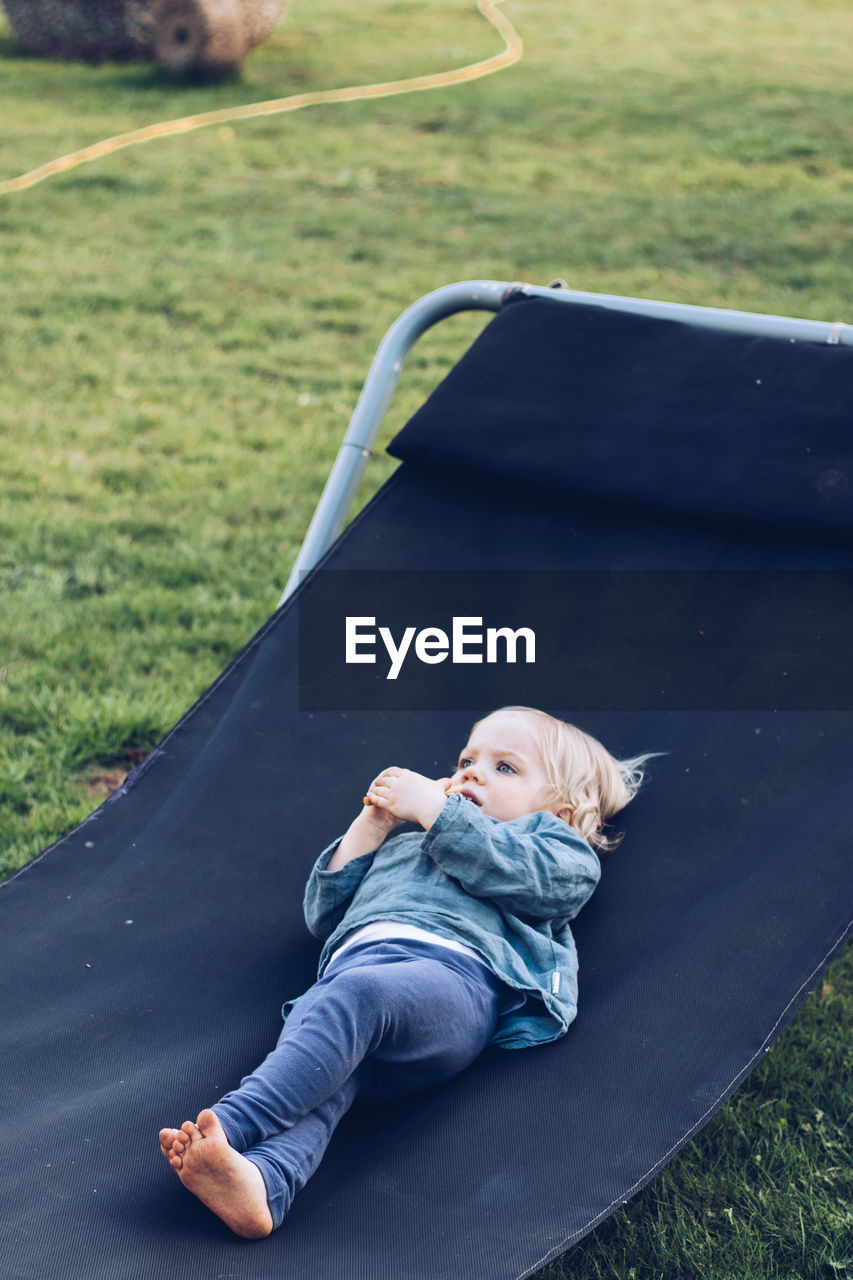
(470, 774)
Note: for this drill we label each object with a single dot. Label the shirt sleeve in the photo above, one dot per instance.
(329, 893)
(536, 867)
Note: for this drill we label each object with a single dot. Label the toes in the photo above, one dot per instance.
(167, 1138)
(176, 1143)
(173, 1143)
(207, 1121)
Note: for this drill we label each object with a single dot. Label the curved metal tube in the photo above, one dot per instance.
(382, 378)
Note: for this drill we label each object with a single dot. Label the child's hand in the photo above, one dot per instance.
(408, 796)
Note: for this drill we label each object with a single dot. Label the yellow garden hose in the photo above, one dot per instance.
(512, 52)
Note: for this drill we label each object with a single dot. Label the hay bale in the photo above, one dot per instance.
(207, 33)
(214, 35)
(261, 18)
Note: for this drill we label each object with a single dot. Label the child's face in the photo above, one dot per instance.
(500, 770)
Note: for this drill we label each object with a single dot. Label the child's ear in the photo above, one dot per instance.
(566, 812)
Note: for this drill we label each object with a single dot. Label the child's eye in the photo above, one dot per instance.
(463, 763)
(503, 767)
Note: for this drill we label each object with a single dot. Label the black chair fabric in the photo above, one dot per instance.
(655, 416)
(145, 956)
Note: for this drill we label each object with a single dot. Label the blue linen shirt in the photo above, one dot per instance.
(506, 889)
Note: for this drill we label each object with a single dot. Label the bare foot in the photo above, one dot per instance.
(229, 1184)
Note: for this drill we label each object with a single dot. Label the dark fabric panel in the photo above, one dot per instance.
(649, 415)
(145, 957)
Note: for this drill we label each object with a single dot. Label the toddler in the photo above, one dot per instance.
(438, 943)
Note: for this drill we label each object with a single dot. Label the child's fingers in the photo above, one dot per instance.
(389, 774)
(385, 780)
(375, 797)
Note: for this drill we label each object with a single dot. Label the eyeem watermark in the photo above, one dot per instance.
(466, 642)
(600, 640)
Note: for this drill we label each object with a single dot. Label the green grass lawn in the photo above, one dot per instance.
(185, 327)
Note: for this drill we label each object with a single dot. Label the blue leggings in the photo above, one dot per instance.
(386, 1019)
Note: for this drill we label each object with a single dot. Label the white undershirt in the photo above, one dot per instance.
(379, 929)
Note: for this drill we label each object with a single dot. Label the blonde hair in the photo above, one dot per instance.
(583, 775)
